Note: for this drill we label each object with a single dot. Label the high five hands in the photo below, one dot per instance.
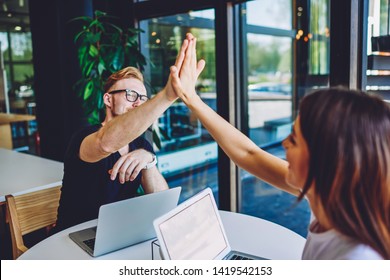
(186, 70)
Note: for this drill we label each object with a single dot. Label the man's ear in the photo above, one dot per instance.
(107, 99)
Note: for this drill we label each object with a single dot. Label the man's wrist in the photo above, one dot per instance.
(169, 93)
(152, 163)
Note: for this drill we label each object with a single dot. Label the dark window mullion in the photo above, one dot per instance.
(222, 28)
(10, 62)
(241, 74)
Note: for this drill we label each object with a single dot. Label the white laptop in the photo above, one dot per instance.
(127, 222)
(194, 231)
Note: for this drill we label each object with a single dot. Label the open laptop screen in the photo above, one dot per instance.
(194, 233)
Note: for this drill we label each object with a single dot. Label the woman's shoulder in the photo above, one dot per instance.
(361, 252)
(332, 245)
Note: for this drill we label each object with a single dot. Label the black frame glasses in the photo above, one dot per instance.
(131, 95)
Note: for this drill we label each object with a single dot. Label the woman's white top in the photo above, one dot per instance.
(332, 245)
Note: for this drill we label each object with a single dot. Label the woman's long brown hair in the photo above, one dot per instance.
(348, 136)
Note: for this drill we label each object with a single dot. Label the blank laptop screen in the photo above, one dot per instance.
(194, 233)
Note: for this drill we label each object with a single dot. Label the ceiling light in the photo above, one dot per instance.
(18, 28)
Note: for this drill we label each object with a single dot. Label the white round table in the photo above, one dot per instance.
(245, 233)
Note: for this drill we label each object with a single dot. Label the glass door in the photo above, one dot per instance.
(187, 155)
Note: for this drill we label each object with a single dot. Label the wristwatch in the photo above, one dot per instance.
(152, 163)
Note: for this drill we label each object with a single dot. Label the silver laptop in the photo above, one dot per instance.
(194, 231)
(125, 223)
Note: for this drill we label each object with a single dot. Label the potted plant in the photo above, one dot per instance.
(104, 47)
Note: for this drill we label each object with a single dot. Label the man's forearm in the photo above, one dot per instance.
(125, 128)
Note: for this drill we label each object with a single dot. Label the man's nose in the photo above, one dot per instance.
(137, 103)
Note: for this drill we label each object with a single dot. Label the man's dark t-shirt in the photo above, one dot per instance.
(87, 186)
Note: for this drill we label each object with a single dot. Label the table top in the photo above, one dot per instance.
(10, 118)
(22, 173)
(245, 233)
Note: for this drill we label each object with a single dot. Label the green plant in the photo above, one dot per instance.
(104, 47)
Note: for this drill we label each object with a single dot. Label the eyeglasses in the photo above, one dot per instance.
(131, 95)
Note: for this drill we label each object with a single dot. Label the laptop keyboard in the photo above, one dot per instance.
(90, 243)
(238, 257)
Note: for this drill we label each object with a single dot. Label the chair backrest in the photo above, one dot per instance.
(30, 212)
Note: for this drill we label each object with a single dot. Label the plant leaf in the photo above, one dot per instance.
(93, 51)
(101, 67)
(83, 18)
(88, 90)
(90, 68)
(118, 59)
(103, 48)
(99, 13)
(78, 35)
(115, 27)
(97, 23)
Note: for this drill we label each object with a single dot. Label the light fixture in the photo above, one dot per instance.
(18, 28)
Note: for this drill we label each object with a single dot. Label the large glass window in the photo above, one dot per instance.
(269, 63)
(16, 48)
(378, 49)
(281, 52)
(187, 155)
(17, 72)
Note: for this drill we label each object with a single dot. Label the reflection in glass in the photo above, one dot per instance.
(270, 73)
(269, 13)
(23, 72)
(4, 44)
(269, 90)
(188, 155)
(21, 46)
(16, 49)
(318, 38)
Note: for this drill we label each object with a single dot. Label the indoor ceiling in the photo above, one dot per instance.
(14, 14)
